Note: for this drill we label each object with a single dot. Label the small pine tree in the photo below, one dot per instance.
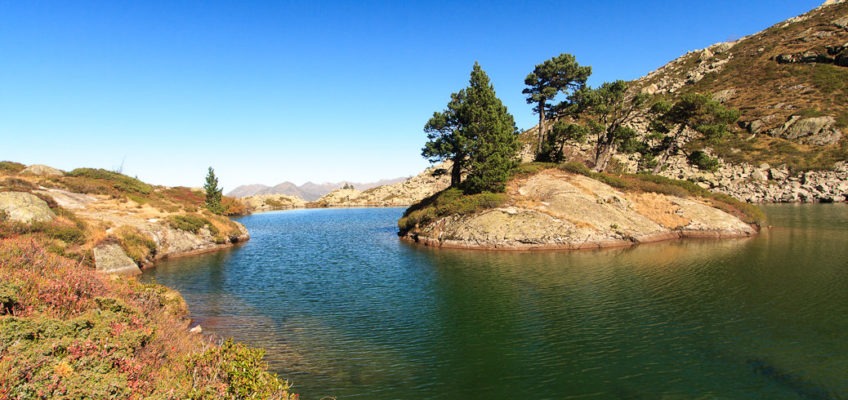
(213, 193)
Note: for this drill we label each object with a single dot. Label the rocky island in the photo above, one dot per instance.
(555, 209)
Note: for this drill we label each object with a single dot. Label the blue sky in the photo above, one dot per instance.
(272, 91)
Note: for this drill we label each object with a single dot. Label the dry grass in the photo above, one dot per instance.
(660, 209)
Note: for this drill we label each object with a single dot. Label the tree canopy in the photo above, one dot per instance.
(694, 111)
(477, 134)
(561, 74)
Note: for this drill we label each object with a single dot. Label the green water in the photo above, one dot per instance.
(346, 310)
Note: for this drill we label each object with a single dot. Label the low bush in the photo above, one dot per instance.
(136, 244)
(11, 167)
(191, 223)
(576, 168)
(101, 181)
(448, 202)
(703, 161)
(240, 368)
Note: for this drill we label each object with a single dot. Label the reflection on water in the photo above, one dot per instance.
(346, 310)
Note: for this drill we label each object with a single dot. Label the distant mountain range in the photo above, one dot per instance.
(309, 191)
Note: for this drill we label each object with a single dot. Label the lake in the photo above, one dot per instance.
(345, 309)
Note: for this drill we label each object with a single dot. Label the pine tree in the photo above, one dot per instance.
(561, 74)
(477, 134)
(213, 193)
(494, 152)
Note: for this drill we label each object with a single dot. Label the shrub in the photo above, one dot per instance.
(11, 167)
(450, 201)
(136, 244)
(576, 168)
(191, 223)
(240, 368)
(101, 179)
(531, 168)
(703, 161)
(233, 206)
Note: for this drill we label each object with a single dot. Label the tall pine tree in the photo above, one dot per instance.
(477, 134)
(494, 152)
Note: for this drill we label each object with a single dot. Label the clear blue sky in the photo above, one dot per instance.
(304, 90)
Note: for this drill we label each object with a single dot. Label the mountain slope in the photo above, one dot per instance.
(790, 83)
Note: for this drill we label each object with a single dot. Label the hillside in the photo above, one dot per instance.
(70, 330)
(790, 83)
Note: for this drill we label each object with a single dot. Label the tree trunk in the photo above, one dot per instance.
(672, 147)
(456, 173)
(541, 127)
(602, 158)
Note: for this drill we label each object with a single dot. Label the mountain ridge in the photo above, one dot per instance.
(308, 191)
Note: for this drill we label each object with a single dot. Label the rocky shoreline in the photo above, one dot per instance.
(555, 210)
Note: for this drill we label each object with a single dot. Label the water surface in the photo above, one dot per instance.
(345, 309)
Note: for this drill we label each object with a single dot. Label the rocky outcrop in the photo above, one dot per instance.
(111, 259)
(272, 202)
(558, 210)
(765, 183)
(817, 131)
(42, 170)
(24, 207)
(405, 193)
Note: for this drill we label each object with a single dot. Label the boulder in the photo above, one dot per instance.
(110, 258)
(25, 207)
(42, 170)
(819, 131)
(841, 22)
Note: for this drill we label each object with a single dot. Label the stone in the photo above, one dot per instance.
(197, 329)
(722, 96)
(42, 170)
(25, 207)
(819, 131)
(841, 22)
(759, 175)
(777, 175)
(111, 259)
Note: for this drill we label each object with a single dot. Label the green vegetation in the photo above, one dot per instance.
(101, 181)
(605, 112)
(448, 202)
(138, 246)
(213, 193)
(11, 167)
(191, 223)
(560, 74)
(703, 161)
(829, 78)
(692, 111)
(477, 134)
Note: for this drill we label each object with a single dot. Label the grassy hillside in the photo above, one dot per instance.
(797, 68)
